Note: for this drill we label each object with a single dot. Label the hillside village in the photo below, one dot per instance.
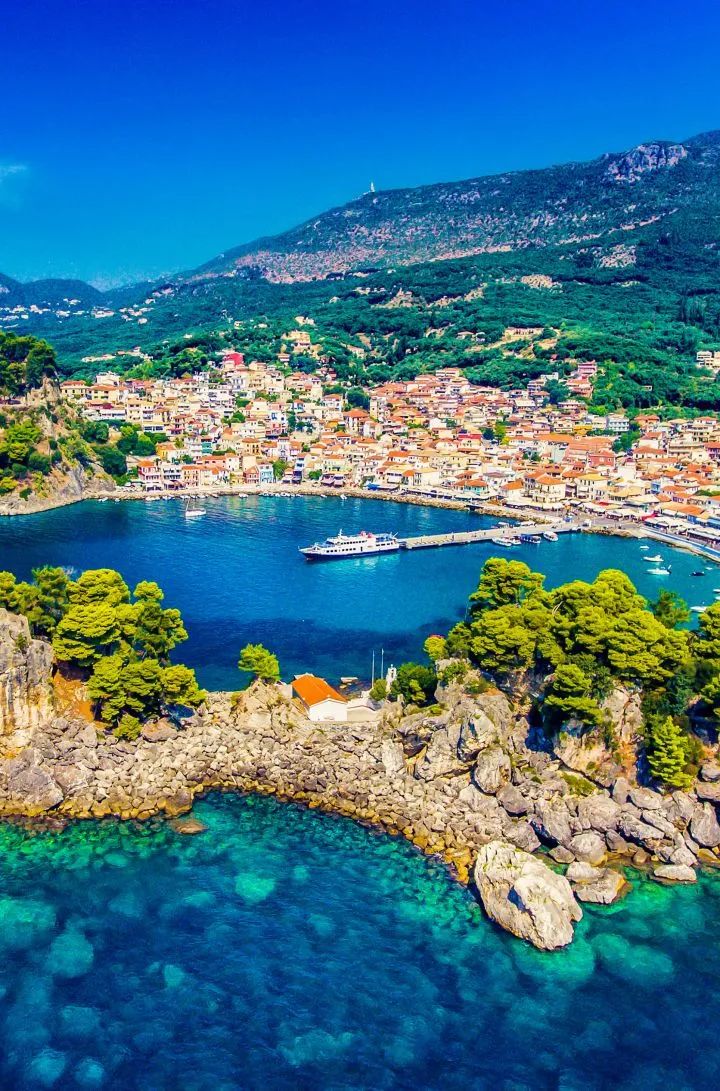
(242, 423)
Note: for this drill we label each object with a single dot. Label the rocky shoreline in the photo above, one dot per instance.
(473, 783)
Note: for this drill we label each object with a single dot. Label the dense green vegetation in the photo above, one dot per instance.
(642, 324)
(24, 363)
(574, 644)
(117, 642)
(42, 434)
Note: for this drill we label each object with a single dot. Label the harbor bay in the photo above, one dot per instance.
(237, 573)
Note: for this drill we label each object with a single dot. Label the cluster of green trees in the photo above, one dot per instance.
(20, 453)
(24, 363)
(118, 642)
(112, 455)
(581, 639)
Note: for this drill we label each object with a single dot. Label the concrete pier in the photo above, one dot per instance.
(497, 535)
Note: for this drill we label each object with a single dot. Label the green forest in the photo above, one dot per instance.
(642, 312)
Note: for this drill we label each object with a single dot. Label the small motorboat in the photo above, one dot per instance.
(698, 609)
(658, 571)
(699, 572)
(645, 547)
(655, 559)
(550, 536)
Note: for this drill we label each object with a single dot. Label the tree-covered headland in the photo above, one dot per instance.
(117, 641)
(570, 647)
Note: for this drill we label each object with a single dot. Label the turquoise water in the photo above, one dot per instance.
(286, 949)
(237, 575)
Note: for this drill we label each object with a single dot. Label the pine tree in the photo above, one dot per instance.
(667, 755)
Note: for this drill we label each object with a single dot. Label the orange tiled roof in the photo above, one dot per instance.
(312, 690)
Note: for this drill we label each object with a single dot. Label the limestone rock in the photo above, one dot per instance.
(525, 897)
(675, 873)
(621, 790)
(601, 886)
(585, 751)
(561, 855)
(25, 676)
(588, 847)
(708, 790)
(522, 835)
(492, 770)
(512, 800)
(710, 771)
(29, 787)
(599, 812)
(392, 757)
(552, 821)
(704, 826)
(645, 799)
(477, 732)
(189, 826)
(618, 844)
(625, 711)
(158, 730)
(633, 828)
(440, 758)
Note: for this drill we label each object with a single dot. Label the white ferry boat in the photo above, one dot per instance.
(351, 545)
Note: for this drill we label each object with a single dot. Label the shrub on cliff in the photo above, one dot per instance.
(257, 660)
(667, 753)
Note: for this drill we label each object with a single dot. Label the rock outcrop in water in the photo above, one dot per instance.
(471, 774)
(525, 897)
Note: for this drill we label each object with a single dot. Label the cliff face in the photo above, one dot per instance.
(70, 477)
(25, 677)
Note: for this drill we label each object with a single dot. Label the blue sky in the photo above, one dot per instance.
(141, 137)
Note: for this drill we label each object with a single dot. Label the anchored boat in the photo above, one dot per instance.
(342, 545)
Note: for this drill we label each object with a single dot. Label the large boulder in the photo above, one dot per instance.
(704, 826)
(675, 873)
(585, 751)
(631, 826)
(440, 759)
(477, 732)
(513, 800)
(522, 895)
(492, 770)
(393, 758)
(601, 886)
(553, 822)
(26, 787)
(599, 812)
(589, 847)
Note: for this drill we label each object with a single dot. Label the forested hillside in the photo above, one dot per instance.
(617, 260)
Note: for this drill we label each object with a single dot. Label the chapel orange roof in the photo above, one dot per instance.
(312, 690)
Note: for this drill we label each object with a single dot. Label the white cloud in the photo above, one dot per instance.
(8, 172)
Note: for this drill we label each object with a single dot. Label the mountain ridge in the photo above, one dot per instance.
(445, 220)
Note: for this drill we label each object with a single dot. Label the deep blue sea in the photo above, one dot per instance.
(287, 949)
(237, 575)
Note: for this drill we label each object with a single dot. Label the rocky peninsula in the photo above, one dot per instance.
(471, 780)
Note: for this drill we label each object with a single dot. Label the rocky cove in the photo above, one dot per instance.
(471, 781)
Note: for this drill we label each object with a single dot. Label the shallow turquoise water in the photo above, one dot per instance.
(286, 949)
(237, 575)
